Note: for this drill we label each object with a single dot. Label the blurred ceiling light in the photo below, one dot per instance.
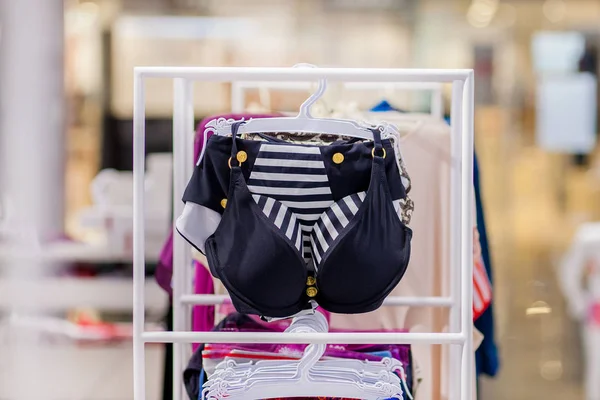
(538, 308)
(477, 23)
(551, 370)
(485, 7)
(507, 13)
(82, 17)
(554, 10)
(481, 12)
(89, 7)
(176, 27)
(374, 4)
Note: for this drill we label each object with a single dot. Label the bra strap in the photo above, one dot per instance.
(378, 150)
(234, 131)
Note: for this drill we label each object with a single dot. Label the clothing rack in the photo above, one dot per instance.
(238, 90)
(461, 235)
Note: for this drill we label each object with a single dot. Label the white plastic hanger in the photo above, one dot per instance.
(307, 377)
(300, 378)
(302, 123)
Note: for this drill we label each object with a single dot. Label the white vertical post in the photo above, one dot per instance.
(237, 97)
(456, 127)
(188, 169)
(182, 110)
(32, 120)
(139, 263)
(437, 103)
(32, 169)
(183, 163)
(466, 256)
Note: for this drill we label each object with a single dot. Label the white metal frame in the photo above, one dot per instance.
(461, 235)
(238, 91)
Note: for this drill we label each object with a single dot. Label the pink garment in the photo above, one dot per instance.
(594, 314)
(291, 352)
(203, 317)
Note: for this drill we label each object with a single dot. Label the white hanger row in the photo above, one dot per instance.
(308, 377)
(304, 122)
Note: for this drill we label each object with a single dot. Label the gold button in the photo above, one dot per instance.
(338, 158)
(310, 281)
(241, 156)
(224, 203)
(311, 291)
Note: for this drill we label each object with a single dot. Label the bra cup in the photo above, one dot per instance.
(252, 260)
(365, 265)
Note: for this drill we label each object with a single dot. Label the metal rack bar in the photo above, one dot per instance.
(466, 237)
(182, 110)
(139, 263)
(299, 338)
(215, 299)
(456, 127)
(234, 74)
(238, 90)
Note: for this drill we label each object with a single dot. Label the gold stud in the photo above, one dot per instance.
(310, 281)
(224, 203)
(338, 158)
(311, 291)
(241, 156)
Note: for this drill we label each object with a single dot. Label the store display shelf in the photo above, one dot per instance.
(67, 251)
(62, 293)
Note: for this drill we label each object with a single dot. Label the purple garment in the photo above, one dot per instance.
(164, 269)
(236, 322)
(220, 351)
(202, 316)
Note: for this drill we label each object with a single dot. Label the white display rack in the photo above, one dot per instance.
(73, 252)
(461, 234)
(64, 292)
(238, 91)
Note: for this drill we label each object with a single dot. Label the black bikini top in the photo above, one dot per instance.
(361, 249)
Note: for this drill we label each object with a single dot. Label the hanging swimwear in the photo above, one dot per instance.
(286, 224)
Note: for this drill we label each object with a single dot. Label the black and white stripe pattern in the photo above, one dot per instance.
(295, 176)
(282, 217)
(334, 220)
(290, 185)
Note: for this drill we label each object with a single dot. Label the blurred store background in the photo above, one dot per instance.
(535, 62)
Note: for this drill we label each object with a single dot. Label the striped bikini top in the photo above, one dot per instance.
(283, 243)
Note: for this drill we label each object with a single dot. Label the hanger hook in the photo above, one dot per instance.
(312, 354)
(308, 103)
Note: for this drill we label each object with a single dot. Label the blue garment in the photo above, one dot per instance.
(486, 356)
(201, 382)
(382, 353)
(384, 106)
